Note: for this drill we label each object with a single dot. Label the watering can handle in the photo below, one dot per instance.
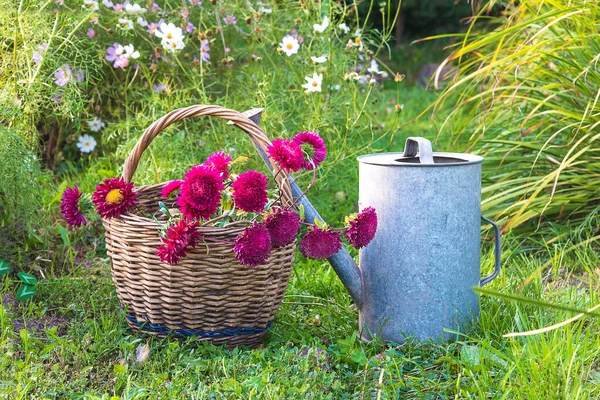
(497, 253)
(420, 145)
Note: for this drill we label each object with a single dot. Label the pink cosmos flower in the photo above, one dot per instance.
(283, 226)
(178, 240)
(313, 147)
(319, 244)
(91, 33)
(287, 154)
(361, 230)
(230, 19)
(205, 49)
(113, 197)
(69, 207)
(189, 27)
(200, 192)
(250, 191)
(253, 247)
(63, 75)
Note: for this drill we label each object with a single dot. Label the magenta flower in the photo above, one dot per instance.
(253, 247)
(91, 33)
(319, 244)
(220, 162)
(63, 75)
(113, 197)
(287, 154)
(313, 147)
(200, 192)
(178, 240)
(283, 226)
(361, 229)
(171, 187)
(69, 207)
(230, 19)
(250, 191)
(205, 49)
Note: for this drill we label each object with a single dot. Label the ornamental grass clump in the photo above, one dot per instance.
(210, 194)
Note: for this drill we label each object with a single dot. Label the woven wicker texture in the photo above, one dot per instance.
(208, 291)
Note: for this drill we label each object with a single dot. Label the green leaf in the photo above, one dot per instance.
(4, 268)
(25, 292)
(64, 234)
(470, 356)
(27, 278)
(119, 369)
(359, 358)
(301, 209)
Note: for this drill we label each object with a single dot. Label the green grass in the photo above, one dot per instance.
(91, 352)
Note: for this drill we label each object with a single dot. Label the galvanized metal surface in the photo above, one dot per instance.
(419, 270)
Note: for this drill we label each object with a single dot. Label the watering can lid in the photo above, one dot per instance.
(418, 153)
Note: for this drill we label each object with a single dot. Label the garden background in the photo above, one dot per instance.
(524, 95)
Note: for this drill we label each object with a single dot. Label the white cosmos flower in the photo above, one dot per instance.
(313, 83)
(134, 9)
(91, 5)
(319, 60)
(374, 68)
(343, 27)
(289, 45)
(86, 143)
(322, 26)
(125, 23)
(96, 125)
(171, 35)
(130, 52)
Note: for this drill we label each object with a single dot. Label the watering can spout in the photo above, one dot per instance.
(343, 264)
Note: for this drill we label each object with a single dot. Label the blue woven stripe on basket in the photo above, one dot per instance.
(147, 326)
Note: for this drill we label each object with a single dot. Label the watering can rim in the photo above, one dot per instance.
(395, 159)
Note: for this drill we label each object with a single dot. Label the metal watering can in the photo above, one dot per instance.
(416, 277)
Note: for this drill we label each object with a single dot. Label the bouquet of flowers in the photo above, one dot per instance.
(210, 194)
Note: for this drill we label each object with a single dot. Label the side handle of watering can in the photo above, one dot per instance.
(497, 252)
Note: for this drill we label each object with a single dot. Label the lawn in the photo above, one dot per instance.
(83, 79)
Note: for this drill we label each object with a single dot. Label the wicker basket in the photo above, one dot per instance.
(208, 295)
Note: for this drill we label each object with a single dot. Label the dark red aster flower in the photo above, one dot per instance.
(313, 146)
(318, 243)
(361, 230)
(69, 206)
(200, 192)
(219, 161)
(253, 246)
(171, 187)
(283, 227)
(178, 240)
(113, 197)
(286, 154)
(250, 191)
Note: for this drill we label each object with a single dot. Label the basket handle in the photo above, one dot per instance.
(257, 135)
